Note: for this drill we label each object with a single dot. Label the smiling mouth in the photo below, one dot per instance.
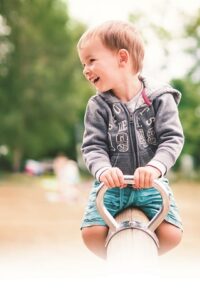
(96, 79)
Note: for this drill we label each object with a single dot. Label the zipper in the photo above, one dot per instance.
(133, 140)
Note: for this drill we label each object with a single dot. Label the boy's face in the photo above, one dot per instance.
(100, 65)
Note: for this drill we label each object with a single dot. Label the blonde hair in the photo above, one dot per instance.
(117, 35)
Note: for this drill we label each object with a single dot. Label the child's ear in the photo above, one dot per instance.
(123, 57)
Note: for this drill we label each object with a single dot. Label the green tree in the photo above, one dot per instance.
(190, 89)
(188, 85)
(189, 109)
(192, 34)
(41, 87)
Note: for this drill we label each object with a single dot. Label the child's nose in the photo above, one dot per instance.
(86, 71)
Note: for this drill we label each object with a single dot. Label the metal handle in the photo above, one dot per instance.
(153, 223)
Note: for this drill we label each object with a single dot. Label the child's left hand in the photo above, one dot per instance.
(144, 177)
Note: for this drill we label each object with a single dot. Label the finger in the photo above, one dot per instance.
(120, 176)
(147, 180)
(110, 181)
(116, 177)
(136, 179)
(150, 180)
(106, 182)
(107, 179)
(142, 176)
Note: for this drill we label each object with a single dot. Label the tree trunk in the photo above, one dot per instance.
(17, 157)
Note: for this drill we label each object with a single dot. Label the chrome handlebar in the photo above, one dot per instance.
(153, 223)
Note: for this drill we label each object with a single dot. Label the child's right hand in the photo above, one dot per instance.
(113, 177)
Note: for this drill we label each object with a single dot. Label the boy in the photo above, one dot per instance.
(132, 127)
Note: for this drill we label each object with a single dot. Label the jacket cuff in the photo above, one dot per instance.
(158, 165)
(100, 171)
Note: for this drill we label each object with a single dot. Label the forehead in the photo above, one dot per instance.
(91, 44)
(93, 47)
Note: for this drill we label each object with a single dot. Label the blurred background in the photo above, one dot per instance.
(43, 182)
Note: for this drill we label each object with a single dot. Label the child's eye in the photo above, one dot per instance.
(92, 60)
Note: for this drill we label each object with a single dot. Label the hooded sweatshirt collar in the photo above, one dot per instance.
(152, 90)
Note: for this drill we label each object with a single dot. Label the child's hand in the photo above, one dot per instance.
(144, 177)
(113, 177)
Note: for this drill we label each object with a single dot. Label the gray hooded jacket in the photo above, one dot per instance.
(115, 137)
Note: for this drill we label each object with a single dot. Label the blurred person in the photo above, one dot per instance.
(33, 167)
(132, 127)
(67, 175)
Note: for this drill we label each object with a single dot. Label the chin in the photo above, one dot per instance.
(102, 90)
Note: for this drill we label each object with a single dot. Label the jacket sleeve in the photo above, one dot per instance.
(168, 130)
(95, 144)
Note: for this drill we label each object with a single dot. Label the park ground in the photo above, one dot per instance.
(40, 235)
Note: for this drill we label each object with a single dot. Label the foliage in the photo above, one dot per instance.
(189, 86)
(41, 87)
(189, 109)
(193, 37)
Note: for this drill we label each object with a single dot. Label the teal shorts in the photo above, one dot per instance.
(116, 199)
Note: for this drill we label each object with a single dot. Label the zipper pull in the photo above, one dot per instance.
(131, 118)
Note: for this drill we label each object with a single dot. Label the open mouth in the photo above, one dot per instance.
(96, 80)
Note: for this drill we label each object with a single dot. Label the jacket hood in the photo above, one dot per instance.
(154, 89)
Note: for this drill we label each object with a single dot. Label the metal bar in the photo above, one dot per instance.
(156, 220)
